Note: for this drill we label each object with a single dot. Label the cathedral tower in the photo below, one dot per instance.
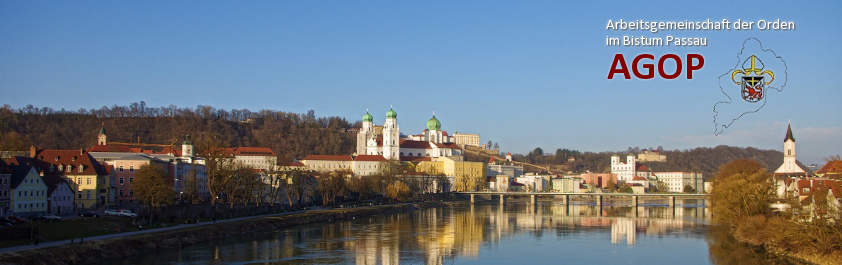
(365, 133)
(391, 135)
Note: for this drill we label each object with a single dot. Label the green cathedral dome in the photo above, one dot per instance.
(368, 117)
(434, 124)
(391, 114)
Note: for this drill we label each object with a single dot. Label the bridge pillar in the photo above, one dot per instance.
(672, 201)
(502, 199)
(635, 201)
(565, 199)
(472, 198)
(532, 199)
(599, 200)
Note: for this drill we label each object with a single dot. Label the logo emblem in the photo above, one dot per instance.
(752, 84)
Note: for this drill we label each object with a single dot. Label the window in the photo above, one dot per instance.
(805, 190)
(79, 196)
(81, 168)
(130, 180)
(131, 168)
(131, 192)
(88, 194)
(121, 193)
(121, 168)
(121, 183)
(89, 181)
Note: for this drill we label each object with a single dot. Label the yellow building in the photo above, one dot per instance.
(92, 181)
(467, 176)
(28, 192)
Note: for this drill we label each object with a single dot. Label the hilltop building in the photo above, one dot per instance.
(466, 139)
(651, 155)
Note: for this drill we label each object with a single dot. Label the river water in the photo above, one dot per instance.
(516, 233)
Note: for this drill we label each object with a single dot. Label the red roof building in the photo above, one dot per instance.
(832, 169)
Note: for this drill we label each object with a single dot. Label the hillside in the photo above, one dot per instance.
(290, 135)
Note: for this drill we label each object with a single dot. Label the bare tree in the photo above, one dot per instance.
(331, 185)
(153, 188)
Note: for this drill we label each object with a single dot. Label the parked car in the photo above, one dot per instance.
(6, 220)
(17, 219)
(114, 212)
(88, 214)
(5, 224)
(127, 213)
(51, 217)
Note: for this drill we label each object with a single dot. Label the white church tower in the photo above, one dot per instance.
(789, 167)
(391, 135)
(365, 133)
(187, 147)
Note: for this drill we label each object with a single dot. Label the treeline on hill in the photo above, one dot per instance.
(702, 159)
(290, 135)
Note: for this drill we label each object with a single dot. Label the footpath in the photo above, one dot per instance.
(154, 230)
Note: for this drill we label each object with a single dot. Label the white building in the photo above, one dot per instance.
(59, 195)
(790, 167)
(261, 158)
(367, 165)
(627, 170)
(676, 181)
(535, 182)
(569, 185)
(496, 167)
(466, 139)
(327, 163)
(387, 142)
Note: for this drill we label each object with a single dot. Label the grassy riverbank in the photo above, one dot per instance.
(98, 251)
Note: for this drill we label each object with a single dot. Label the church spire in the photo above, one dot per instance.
(789, 133)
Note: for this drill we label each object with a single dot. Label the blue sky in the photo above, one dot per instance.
(521, 73)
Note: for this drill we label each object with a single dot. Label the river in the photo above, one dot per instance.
(517, 233)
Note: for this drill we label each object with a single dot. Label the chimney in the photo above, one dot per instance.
(32, 151)
(81, 151)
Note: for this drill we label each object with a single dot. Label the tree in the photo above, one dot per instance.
(661, 186)
(153, 188)
(300, 187)
(330, 185)
(190, 187)
(489, 145)
(496, 146)
(218, 165)
(740, 190)
(688, 189)
(611, 186)
(397, 191)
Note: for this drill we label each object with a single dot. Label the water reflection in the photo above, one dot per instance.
(488, 234)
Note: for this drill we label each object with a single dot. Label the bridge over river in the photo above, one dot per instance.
(671, 198)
